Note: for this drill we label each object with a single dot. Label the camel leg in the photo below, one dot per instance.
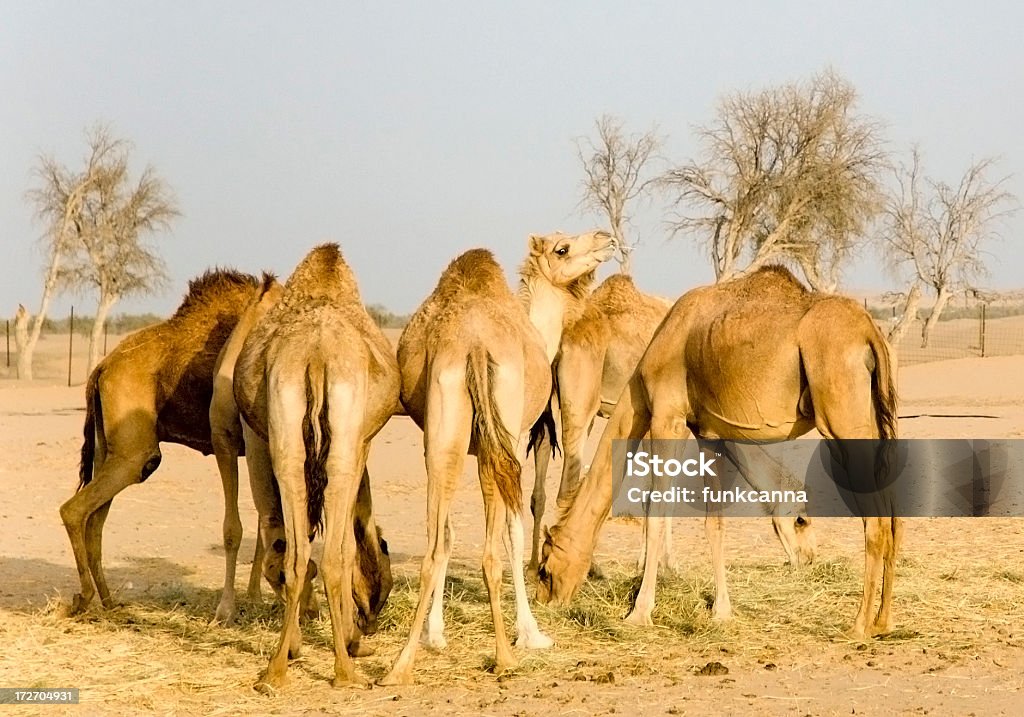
(843, 413)
(494, 519)
(345, 470)
(538, 500)
(288, 460)
(253, 593)
(446, 436)
(667, 423)
(714, 529)
(94, 549)
(84, 525)
(883, 621)
(528, 633)
(225, 448)
(433, 634)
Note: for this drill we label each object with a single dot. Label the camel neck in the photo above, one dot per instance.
(547, 307)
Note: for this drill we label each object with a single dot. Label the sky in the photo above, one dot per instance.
(410, 132)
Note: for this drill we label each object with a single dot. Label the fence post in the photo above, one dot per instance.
(8, 343)
(981, 337)
(71, 339)
(105, 327)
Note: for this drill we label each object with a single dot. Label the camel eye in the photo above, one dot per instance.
(562, 250)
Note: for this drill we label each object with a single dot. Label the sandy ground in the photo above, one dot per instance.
(165, 535)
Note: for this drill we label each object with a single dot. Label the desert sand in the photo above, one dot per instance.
(959, 604)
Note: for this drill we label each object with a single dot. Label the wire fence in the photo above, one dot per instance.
(968, 328)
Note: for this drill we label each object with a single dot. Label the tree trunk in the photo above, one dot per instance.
(28, 347)
(907, 317)
(940, 303)
(106, 302)
(625, 252)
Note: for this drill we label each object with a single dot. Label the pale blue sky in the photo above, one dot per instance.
(410, 132)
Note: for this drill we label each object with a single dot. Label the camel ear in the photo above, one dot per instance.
(536, 244)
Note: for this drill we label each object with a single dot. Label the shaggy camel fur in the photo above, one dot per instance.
(758, 358)
(598, 354)
(155, 386)
(318, 378)
(475, 377)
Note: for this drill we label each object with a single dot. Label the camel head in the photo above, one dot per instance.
(563, 259)
(371, 581)
(562, 569)
(797, 538)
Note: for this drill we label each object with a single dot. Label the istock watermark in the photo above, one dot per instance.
(819, 477)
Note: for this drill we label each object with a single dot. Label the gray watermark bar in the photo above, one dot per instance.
(819, 477)
(38, 695)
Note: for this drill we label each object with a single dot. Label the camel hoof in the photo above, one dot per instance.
(353, 680)
(434, 642)
(78, 604)
(270, 684)
(395, 678)
(878, 630)
(638, 619)
(856, 634)
(225, 615)
(534, 640)
(504, 665)
(358, 649)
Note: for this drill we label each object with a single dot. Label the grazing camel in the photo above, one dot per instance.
(317, 379)
(758, 358)
(155, 386)
(598, 354)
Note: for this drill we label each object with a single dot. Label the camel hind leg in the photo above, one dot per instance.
(85, 513)
(840, 382)
(446, 436)
(345, 463)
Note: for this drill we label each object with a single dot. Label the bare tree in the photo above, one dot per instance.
(789, 172)
(934, 231)
(59, 201)
(108, 225)
(617, 173)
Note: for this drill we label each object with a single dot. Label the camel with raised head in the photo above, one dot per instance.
(154, 387)
(758, 358)
(317, 379)
(476, 375)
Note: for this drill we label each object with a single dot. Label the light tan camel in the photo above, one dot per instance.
(317, 378)
(758, 358)
(155, 386)
(475, 377)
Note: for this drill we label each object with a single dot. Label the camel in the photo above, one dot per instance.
(154, 387)
(597, 356)
(230, 435)
(317, 379)
(759, 358)
(476, 375)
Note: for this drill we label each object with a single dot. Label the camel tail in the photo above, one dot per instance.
(316, 436)
(883, 388)
(495, 448)
(93, 421)
(545, 424)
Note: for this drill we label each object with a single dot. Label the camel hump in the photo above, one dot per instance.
(216, 285)
(475, 271)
